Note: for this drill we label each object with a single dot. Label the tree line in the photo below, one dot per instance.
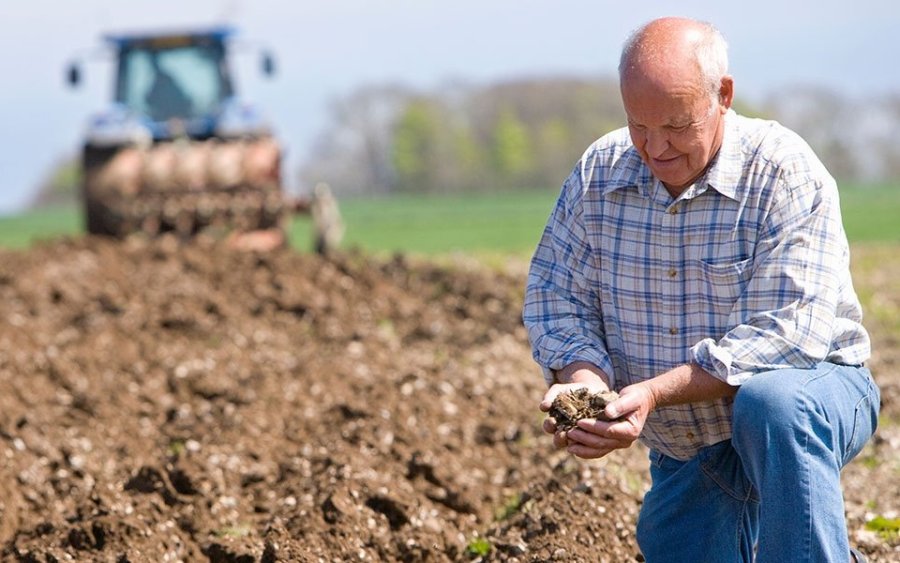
(516, 134)
(528, 134)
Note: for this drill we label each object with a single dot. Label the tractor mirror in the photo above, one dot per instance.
(73, 75)
(268, 64)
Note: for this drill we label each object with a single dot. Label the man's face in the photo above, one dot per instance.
(675, 125)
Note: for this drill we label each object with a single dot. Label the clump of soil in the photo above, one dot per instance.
(570, 407)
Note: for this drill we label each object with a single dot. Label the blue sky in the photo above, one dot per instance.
(326, 48)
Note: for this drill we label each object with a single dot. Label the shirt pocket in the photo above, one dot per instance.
(714, 289)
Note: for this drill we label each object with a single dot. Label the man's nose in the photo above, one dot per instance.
(657, 143)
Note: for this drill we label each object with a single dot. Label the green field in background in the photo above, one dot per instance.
(511, 223)
(19, 231)
(504, 223)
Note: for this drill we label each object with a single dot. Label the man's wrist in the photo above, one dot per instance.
(580, 372)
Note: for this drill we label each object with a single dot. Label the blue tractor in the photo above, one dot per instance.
(178, 151)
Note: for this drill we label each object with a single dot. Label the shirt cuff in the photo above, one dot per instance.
(595, 358)
(718, 362)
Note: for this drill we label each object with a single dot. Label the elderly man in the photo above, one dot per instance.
(696, 263)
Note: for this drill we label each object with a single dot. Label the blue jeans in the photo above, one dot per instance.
(772, 493)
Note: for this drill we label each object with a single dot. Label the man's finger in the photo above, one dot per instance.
(593, 425)
(623, 406)
(586, 452)
(598, 441)
(560, 440)
(550, 425)
(625, 430)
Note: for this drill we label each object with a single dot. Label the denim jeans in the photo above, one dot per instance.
(772, 493)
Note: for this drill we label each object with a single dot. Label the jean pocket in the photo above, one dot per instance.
(722, 465)
(655, 458)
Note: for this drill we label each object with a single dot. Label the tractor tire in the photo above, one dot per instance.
(99, 218)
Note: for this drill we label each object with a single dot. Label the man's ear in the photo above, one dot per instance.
(726, 91)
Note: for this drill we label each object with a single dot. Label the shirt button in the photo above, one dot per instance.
(673, 273)
(673, 331)
(690, 435)
(673, 210)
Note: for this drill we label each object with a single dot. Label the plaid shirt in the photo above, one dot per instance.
(746, 271)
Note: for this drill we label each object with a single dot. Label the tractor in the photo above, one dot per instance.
(177, 151)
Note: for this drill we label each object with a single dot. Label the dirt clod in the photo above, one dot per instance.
(570, 407)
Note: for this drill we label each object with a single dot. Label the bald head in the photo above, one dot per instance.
(668, 45)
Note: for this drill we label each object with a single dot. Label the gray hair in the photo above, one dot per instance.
(711, 51)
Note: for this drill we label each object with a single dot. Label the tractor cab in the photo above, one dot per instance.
(176, 78)
(174, 84)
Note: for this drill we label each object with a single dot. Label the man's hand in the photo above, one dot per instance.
(575, 376)
(595, 438)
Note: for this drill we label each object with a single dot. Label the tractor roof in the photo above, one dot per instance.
(170, 38)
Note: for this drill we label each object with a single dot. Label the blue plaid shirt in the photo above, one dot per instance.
(746, 271)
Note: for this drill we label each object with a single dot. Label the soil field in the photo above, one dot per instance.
(162, 402)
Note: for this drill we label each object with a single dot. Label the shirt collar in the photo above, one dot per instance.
(723, 175)
(630, 171)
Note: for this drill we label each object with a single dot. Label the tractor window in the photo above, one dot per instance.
(182, 82)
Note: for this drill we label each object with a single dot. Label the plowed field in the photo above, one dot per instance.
(168, 402)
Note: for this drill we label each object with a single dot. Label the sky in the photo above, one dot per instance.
(325, 49)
